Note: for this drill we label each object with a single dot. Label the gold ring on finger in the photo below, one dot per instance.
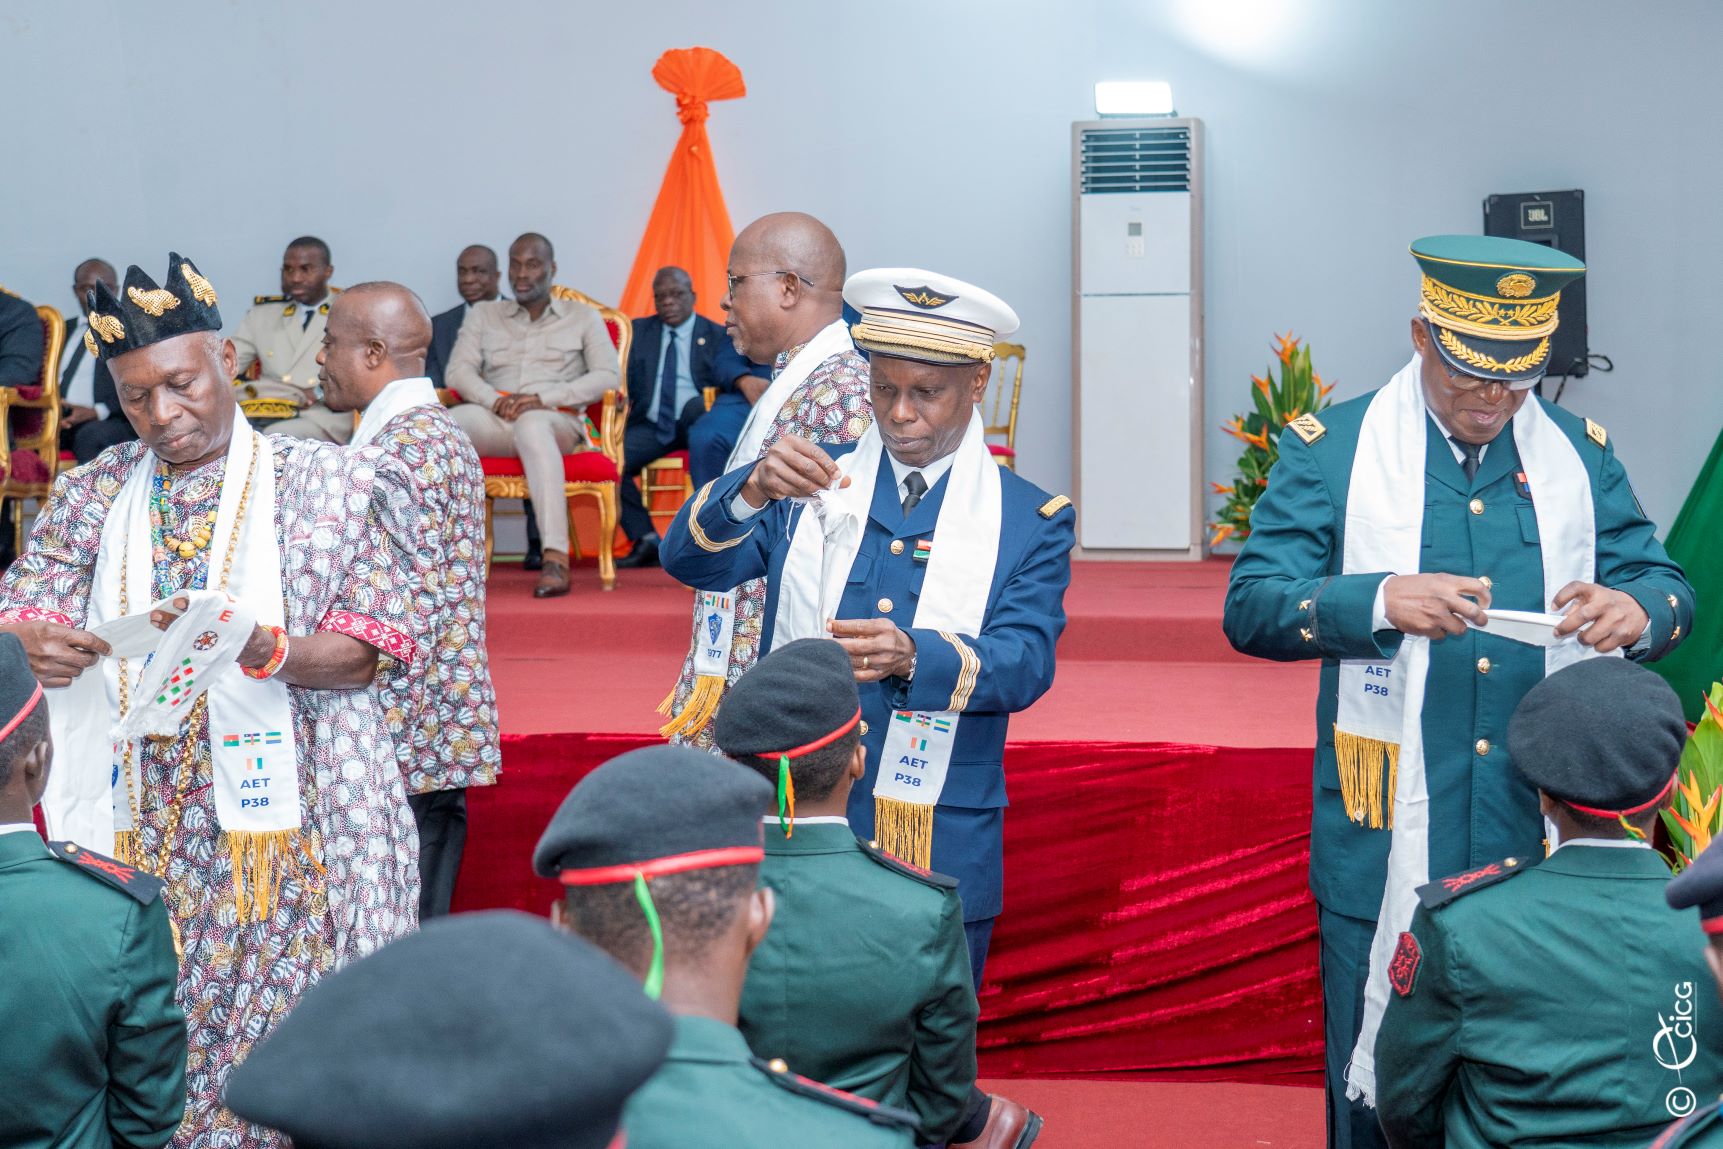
(864, 662)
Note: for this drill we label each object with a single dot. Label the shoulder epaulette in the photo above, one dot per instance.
(1442, 892)
(144, 887)
(896, 864)
(268, 299)
(1307, 427)
(1054, 505)
(887, 1115)
(1595, 432)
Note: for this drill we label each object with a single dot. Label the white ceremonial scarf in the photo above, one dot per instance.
(830, 340)
(397, 398)
(1381, 703)
(249, 724)
(953, 601)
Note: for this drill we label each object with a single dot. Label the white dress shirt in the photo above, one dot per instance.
(80, 389)
(17, 827)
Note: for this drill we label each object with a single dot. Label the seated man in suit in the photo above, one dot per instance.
(90, 417)
(669, 367)
(20, 342)
(476, 277)
(526, 368)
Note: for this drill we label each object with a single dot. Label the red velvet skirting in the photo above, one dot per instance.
(1157, 922)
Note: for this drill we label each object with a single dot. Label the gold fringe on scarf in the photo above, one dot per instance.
(702, 704)
(126, 847)
(1362, 786)
(904, 830)
(259, 858)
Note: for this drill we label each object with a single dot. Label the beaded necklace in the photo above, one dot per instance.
(192, 543)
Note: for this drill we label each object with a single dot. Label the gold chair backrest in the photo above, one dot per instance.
(615, 412)
(1004, 388)
(46, 440)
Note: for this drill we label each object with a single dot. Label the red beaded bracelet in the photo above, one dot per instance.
(276, 656)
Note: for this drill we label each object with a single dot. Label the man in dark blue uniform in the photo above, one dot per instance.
(943, 579)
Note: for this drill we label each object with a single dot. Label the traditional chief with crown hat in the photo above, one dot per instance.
(940, 573)
(1391, 528)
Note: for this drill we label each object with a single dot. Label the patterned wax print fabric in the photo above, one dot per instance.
(831, 406)
(442, 714)
(340, 566)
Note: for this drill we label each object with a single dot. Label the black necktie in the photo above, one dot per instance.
(71, 367)
(667, 391)
(914, 487)
(1473, 452)
(303, 326)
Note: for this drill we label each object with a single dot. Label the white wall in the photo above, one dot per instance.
(931, 133)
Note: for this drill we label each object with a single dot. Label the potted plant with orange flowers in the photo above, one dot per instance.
(1693, 815)
(1275, 402)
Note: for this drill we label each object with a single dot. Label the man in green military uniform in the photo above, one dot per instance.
(863, 981)
(94, 1048)
(536, 1042)
(660, 852)
(281, 335)
(1389, 530)
(1559, 1002)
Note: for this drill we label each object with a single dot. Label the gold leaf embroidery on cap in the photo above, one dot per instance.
(201, 289)
(107, 327)
(155, 302)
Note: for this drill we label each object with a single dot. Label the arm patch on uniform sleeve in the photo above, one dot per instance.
(886, 1115)
(1441, 893)
(144, 887)
(897, 865)
(1403, 966)
(1054, 505)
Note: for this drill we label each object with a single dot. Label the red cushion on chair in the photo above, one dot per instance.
(585, 467)
(27, 467)
(1001, 449)
(34, 391)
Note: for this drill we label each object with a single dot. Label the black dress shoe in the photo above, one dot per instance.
(644, 553)
(534, 559)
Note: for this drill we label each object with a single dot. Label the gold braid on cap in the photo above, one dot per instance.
(108, 327)
(153, 302)
(1484, 362)
(1488, 318)
(201, 288)
(922, 337)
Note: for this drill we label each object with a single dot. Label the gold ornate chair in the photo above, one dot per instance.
(670, 476)
(1007, 376)
(597, 473)
(33, 422)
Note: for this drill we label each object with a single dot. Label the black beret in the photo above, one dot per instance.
(487, 1029)
(654, 804)
(1701, 884)
(20, 693)
(801, 694)
(1602, 735)
(142, 313)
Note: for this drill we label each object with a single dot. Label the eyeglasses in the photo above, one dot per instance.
(732, 280)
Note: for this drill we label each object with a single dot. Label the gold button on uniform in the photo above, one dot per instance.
(885, 606)
(1483, 666)
(778, 1065)
(1676, 634)
(1483, 747)
(1477, 506)
(1305, 605)
(1305, 631)
(1673, 605)
(897, 546)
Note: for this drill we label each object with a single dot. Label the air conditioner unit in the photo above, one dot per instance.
(1136, 348)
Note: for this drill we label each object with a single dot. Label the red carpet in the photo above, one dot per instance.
(1155, 1115)
(1156, 924)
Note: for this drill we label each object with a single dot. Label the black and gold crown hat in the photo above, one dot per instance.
(1492, 302)
(142, 313)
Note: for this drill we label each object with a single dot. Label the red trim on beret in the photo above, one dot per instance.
(1712, 926)
(1628, 813)
(659, 867)
(6, 731)
(817, 744)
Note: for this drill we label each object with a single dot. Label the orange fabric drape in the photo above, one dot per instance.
(689, 227)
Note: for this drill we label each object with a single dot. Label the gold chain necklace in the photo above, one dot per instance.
(196, 721)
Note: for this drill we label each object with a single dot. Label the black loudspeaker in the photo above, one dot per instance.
(1555, 219)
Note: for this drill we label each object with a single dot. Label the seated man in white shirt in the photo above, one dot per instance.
(90, 416)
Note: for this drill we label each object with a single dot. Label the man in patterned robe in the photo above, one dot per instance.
(348, 882)
(785, 307)
(443, 715)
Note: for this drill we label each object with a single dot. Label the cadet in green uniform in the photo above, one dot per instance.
(660, 850)
(282, 334)
(1559, 1002)
(536, 1042)
(863, 981)
(1390, 527)
(1701, 885)
(92, 1046)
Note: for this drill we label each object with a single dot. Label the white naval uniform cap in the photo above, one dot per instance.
(911, 313)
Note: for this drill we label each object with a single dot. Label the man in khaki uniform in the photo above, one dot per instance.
(526, 367)
(282, 334)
